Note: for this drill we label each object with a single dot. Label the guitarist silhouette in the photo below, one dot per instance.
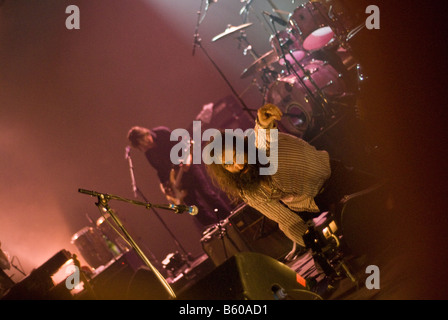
(185, 183)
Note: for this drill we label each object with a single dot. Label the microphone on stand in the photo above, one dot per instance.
(127, 152)
(209, 2)
(280, 21)
(245, 8)
(192, 210)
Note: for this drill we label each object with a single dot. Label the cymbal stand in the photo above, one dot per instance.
(249, 48)
(103, 206)
(267, 76)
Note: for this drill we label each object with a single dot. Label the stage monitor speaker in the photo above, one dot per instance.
(126, 279)
(222, 242)
(261, 234)
(250, 276)
(246, 230)
(38, 284)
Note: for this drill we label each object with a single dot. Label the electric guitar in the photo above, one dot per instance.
(175, 192)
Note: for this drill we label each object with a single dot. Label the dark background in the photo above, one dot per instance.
(68, 98)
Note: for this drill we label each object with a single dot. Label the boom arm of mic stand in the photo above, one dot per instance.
(103, 202)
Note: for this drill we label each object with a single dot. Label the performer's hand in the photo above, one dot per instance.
(166, 188)
(267, 114)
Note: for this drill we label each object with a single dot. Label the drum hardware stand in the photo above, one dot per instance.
(139, 192)
(323, 103)
(223, 234)
(252, 52)
(353, 32)
(103, 206)
(266, 76)
(254, 83)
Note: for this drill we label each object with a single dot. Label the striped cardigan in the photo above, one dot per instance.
(301, 173)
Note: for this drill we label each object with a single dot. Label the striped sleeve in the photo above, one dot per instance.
(302, 171)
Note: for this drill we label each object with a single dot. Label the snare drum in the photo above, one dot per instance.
(293, 97)
(311, 25)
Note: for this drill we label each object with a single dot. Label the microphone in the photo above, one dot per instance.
(192, 210)
(280, 21)
(245, 8)
(209, 2)
(127, 152)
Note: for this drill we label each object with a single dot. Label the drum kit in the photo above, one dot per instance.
(310, 73)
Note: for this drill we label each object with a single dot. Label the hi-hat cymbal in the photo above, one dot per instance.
(264, 61)
(231, 29)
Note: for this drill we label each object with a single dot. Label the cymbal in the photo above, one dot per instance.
(264, 61)
(231, 29)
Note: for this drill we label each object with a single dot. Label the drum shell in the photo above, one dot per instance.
(307, 18)
(104, 226)
(293, 95)
(92, 247)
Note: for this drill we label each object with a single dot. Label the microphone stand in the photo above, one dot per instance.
(244, 106)
(137, 190)
(103, 205)
(196, 34)
(197, 43)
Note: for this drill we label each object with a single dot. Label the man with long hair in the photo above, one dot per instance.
(299, 189)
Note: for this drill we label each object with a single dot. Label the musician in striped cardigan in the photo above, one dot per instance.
(289, 195)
